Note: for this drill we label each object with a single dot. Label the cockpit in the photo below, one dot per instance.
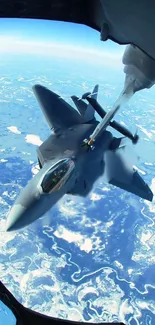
(57, 175)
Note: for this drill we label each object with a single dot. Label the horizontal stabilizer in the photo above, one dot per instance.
(120, 174)
(58, 113)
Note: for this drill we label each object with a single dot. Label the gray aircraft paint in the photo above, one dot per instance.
(54, 107)
(106, 160)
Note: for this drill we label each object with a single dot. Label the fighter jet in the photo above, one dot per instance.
(66, 165)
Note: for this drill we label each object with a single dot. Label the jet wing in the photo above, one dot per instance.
(120, 173)
(58, 113)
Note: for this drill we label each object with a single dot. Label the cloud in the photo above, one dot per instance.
(17, 45)
(13, 129)
(84, 243)
(33, 139)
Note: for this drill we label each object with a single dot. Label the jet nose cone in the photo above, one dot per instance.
(14, 221)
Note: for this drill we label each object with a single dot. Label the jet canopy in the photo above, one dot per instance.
(57, 176)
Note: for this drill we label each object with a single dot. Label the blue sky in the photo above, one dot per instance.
(54, 31)
(56, 38)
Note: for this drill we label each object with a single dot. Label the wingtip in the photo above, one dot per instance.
(36, 87)
(9, 227)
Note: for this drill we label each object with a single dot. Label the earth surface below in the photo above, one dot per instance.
(87, 259)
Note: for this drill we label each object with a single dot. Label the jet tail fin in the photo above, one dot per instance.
(80, 104)
(90, 112)
(86, 110)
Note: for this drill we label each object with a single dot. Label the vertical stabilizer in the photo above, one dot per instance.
(80, 104)
(90, 112)
(86, 110)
